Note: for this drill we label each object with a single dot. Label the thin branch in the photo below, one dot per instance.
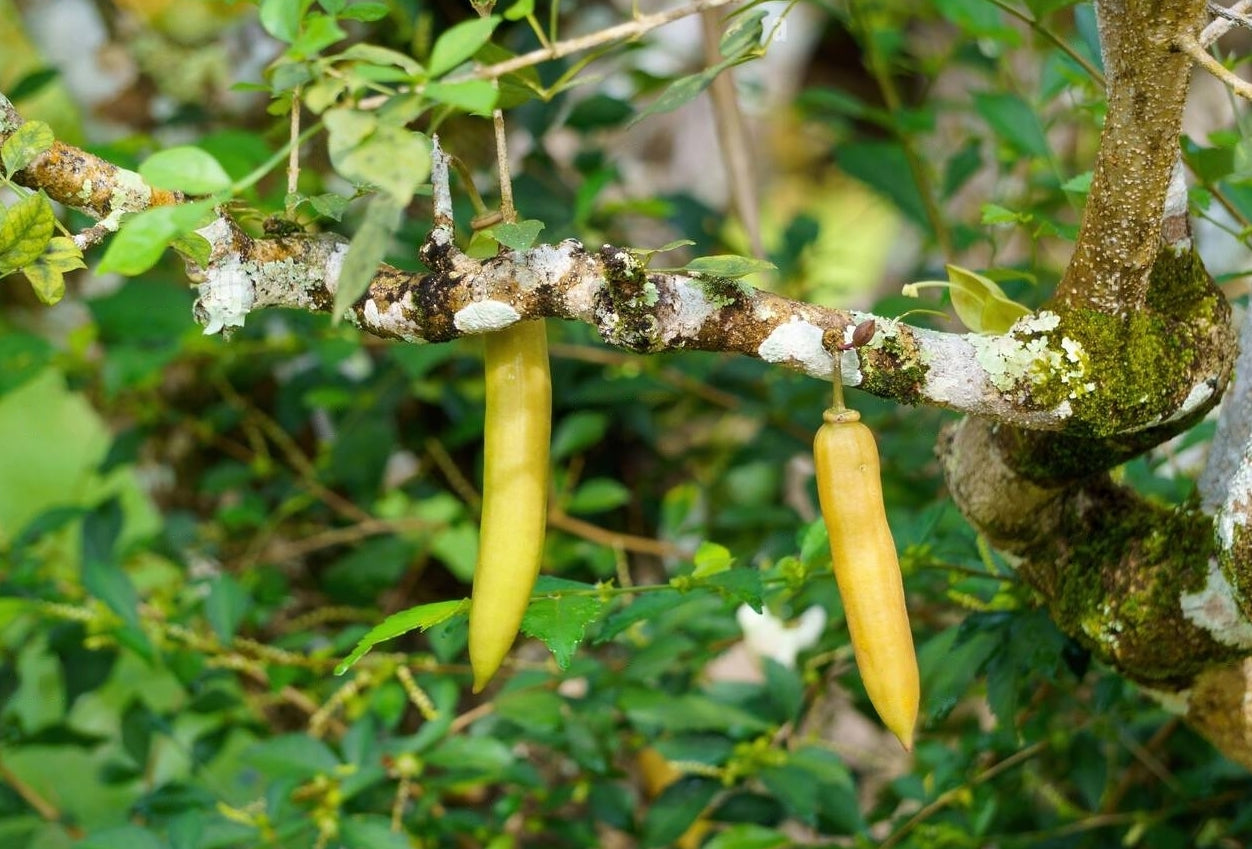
(1189, 45)
(641, 25)
(1227, 19)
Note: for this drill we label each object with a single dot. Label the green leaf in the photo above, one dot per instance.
(743, 34)
(185, 169)
(27, 142)
(415, 618)
(884, 167)
(362, 150)
(370, 831)
(144, 237)
(120, 837)
(646, 608)
(560, 619)
(748, 836)
(365, 12)
(25, 230)
(728, 265)
(738, 585)
(687, 712)
(281, 18)
(1079, 185)
(980, 304)
(459, 43)
(518, 236)
(318, 33)
(519, 10)
(296, 756)
(711, 558)
(577, 432)
(678, 93)
(32, 84)
(366, 251)
(377, 55)
(795, 788)
(46, 274)
(596, 496)
(1014, 122)
(225, 606)
(22, 357)
(477, 97)
(102, 574)
(673, 812)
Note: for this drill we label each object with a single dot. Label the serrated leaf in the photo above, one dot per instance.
(366, 251)
(518, 236)
(980, 304)
(27, 142)
(459, 43)
(739, 585)
(644, 608)
(25, 230)
(186, 169)
(415, 618)
(144, 237)
(728, 265)
(477, 97)
(559, 618)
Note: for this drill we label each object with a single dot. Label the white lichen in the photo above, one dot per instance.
(485, 316)
(692, 309)
(226, 296)
(799, 341)
(1214, 609)
(394, 321)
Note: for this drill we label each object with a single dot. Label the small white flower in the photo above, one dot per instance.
(768, 636)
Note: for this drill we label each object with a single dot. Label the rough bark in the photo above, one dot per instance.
(1136, 347)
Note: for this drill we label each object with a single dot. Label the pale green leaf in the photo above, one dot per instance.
(477, 97)
(366, 251)
(743, 34)
(520, 9)
(48, 283)
(415, 618)
(27, 142)
(281, 18)
(980, 304)
(144, 237)
(459, 43)
(711, 558)
(518, 236)
(185, 169)
(25, 229)
(727, 265)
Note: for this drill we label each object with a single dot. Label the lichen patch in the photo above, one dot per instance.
(1214, 609)
(485, 316)
(798, 341)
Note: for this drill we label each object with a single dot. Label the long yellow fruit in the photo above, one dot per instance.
(516, 440)
(867, 569)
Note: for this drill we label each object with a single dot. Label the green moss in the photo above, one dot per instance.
(719, 291)
(1115, 584)
(898, 375)
(1136, 364)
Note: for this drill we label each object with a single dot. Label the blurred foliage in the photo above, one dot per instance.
(196, 532)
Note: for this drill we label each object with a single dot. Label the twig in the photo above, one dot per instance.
(30, 796)
(1189, 45)
(732, 137)
(622, 32)
(611, 539)
(1227, 18)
